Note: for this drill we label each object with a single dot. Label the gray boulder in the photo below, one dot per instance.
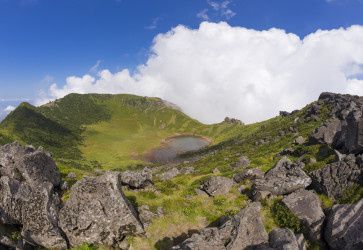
(249, 174)
(299, 140)
(137, 180)
(98, 212)
(217, 185)
(169, 174)
(283, 238)
(333, 179)
(283, 178)
(244, 230)
(27, 196)
(307, 207)
(327, 133)
(344, 229)
(353, 133)
(187, 170)
(26, 164)
(243, 162)
(71, 175)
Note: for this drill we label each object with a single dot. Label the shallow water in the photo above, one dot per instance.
(176, 145)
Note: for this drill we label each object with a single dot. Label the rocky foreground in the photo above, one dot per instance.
(98, 212)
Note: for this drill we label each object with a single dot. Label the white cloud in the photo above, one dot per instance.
(219, 70)
(203, 15)
(9, 108)
(221, 10)
(154, 24)
(95, 67)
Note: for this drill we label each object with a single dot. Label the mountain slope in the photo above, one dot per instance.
(115, 130)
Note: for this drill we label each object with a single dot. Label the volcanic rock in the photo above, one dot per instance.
(98, 212)
(307, 207)
(283, 178)
(344, 229)
(217, 185)
(333, 179)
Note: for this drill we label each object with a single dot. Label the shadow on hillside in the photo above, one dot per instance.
(167, 243)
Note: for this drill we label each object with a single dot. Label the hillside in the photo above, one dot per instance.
(285, 183)
(114, 130)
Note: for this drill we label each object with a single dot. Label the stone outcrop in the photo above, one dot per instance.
(283, 178)
(299, 140)
(333, 179)
(233, 121)
(283, 238)
(146, 216)
(71, 175)
(98, 212)
(244, 230)
(217, 185)
(187, 170)
(344, 229)
(307, 207)
(243, 162)
(27, 194)
(137, 180)
(345, 131)
(169, 174)
(249, 174)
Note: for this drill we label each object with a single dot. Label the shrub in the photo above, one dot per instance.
(283, 217)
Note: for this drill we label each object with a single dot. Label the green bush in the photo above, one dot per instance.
(352, 195)
(283, 217)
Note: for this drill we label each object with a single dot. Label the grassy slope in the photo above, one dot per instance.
(115, 130)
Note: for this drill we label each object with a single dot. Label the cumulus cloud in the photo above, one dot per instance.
(218, 70)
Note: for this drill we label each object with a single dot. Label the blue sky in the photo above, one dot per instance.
(43, 42)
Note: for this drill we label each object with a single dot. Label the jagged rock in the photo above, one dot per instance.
(326, 133)
(98, 212)
(169, 174)
(307, 207)
(71, 175)
(333, 179)
(284, 113)
(243, 162)
(27, 194)
(250, 174)
(64, 185)
(353, 133)
(217, 185)
(216, 171)
(137, 180)
(301, 241)
(146, 216)
(344, 229)
(187, 170)
(206, 239)
(283, 178)
(24, 163)
(245, 229)
(283, 238)
(233, 121)
(299, 140)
